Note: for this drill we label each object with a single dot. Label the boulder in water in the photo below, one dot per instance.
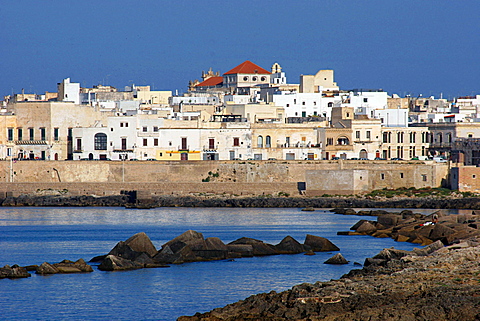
(320, 244)
(336, 259)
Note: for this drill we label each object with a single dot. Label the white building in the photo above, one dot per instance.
(69, 91)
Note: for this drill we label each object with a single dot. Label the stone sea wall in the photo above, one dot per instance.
(150, 201)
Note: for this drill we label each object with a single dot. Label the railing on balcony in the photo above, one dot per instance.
(31, 142)
(210, 148)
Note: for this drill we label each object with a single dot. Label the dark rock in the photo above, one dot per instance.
(259, 247)
(366, 227)
(215, 243)
(140, 242)
(67, 266)
(429, 249)
(357, 225)
(47, 268)
(166, 255)
(390, 254)
(289, 246)
(440, 231)
(123, 250)
(388, 220)
(320, 244)
(115, 263)
(193, 239)
(13, 272)
(98, 258)
(336, 259)
(240, 250)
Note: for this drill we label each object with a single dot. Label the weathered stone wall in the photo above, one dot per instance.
(249, 177)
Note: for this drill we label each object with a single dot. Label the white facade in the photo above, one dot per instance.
(299, 104)
(368, 99)
(69, 91)
(392, 117)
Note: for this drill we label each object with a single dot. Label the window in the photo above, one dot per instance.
(121, 124)
(55, 134)
(211, 143)
(382, 176)
(145, 142)
(357, 134)
(155, 142)
(329, 141)
(288, 105)
(304, 114)
(254, 78)
(31, 133)
(303, 103)
(79, 144)
(145, 129)
(155, 129)
(268, 142)
(10, 134)
(385, 137)
(330, 104)
(42, 133)
(260, 142)
(294, 101)
(401, 175)
(368, 134)
(184, 143)
(245, 78)
(236, 141)
(100, 141)
(343, 141)
(263, 78)
(365, 100)
(424, 177)
(20, 133)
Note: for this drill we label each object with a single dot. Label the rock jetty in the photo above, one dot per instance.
(139, 252)
(309, 203)
(435, 283)
(66, 266)
(407, 226)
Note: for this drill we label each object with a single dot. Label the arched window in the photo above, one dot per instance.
(260, 142)
(343, 141)
(268, 142)
(100, 141)
(330, 104)
(449, 137)
(439, 138)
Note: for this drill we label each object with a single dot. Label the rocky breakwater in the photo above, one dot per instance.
(139, 252)
(434, 283)
(407, 226)
(66, 266)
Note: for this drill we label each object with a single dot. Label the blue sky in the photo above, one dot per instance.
(405, 46)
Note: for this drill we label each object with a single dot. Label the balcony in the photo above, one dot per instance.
(146, 134)
(298, 145)
(31, 142)
(210, 149)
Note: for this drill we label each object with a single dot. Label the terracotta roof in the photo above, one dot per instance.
(212, 81)
(247, 67)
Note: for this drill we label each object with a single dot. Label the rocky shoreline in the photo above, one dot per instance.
(441, 286)
(440, 281)
(218, 201)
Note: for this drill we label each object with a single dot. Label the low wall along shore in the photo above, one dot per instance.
(104, 178)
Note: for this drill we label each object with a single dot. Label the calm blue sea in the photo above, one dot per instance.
(35, 235)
